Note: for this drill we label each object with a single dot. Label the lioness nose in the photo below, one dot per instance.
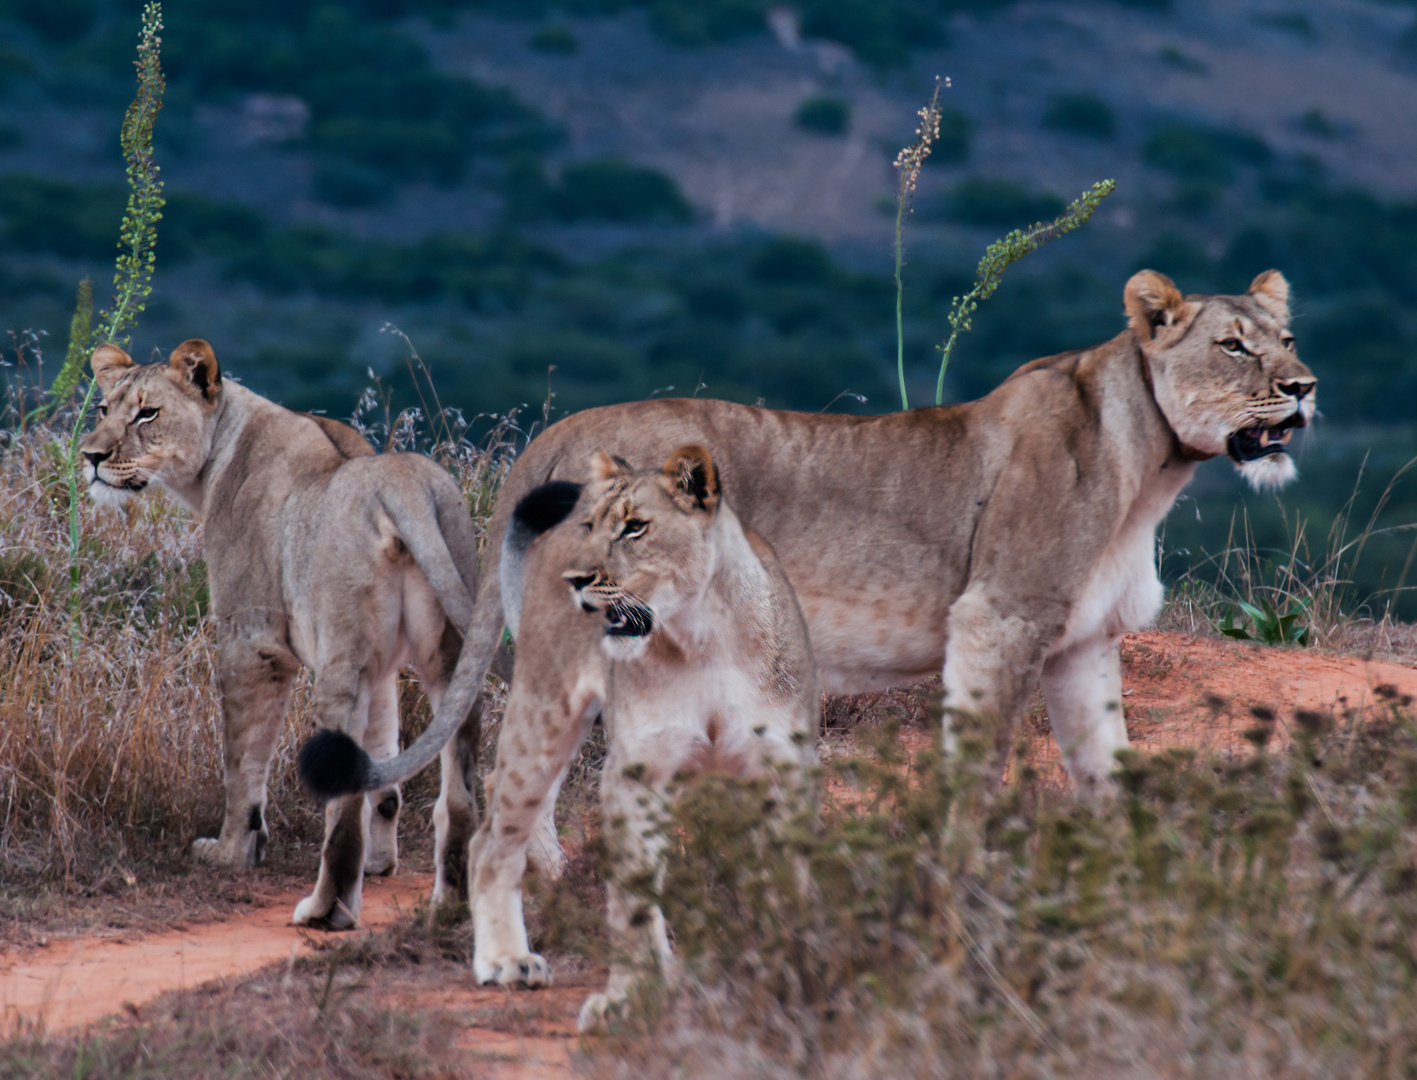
(577, 579)
(97, 457)
(1298, 388)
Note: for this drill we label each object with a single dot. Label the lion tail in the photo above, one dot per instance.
(331, 763)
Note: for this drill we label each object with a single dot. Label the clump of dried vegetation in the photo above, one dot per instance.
(1244, 916)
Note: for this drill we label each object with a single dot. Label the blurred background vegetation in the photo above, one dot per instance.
(601, 200)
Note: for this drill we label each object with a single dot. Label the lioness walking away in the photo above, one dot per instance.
(318, 553)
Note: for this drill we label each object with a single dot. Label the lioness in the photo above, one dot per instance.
(318, 553)
(685, 636)
(1009, 538)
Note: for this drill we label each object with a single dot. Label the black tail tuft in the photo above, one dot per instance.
(331, 764)
(547, 506)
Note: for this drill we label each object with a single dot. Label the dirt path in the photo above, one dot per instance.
(72, 983)
(1177, 691)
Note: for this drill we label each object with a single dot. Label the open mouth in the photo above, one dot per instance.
(1253, 443)
(627, 618)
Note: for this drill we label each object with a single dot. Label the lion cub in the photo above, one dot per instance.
(686, 639)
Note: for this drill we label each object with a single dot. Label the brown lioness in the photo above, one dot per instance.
(1006, 540)
(318, 553)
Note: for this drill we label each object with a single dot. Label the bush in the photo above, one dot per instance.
(824, 115)
(555, 38)
(879, 33)
(1000, 204)
(349, 185)
(1081, 114)
(1203, 154)
(59, 218)
(62, 22)
(612, 190)
(704, 22)
(789, 261)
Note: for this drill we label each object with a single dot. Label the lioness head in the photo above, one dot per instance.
(1224, 371)
(647, 551)
(155, 421)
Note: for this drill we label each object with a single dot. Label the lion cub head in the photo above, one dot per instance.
(155, 421)
(649, 549)
(1224, 371)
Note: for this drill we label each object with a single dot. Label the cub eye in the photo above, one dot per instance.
(102, 411)
(144, 415)
(1234, 346)
(634, 529)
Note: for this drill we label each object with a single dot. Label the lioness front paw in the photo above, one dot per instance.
(598, 1010)
(320, 915)
(529, 969)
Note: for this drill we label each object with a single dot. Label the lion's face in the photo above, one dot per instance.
(1225, 372)
(647, 551)
(155, 421)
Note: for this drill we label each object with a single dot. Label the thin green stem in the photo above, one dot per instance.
(899, 304)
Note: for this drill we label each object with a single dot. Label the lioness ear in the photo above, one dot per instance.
(604, 468)
(1153, 301)
(691, 470)
(108, 362)
(196, 363)
(1271, 291)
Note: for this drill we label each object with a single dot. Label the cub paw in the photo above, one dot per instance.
(598, 1011)
(527, 970)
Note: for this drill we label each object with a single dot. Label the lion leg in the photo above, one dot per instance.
(634, 804)
(1082, 686)
(342, 696)
(533, 754)
(255, 684)
(455, 812)
(381, 740)
(992, 659)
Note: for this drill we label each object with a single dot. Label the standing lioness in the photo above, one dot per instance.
(318, 553)
(1008, 539)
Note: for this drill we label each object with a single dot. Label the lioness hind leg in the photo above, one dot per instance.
(342, 696)
(1083, 690)
(455, 812)
(255, 683)
(381, 740)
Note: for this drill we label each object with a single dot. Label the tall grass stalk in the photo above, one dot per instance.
(907, 166)
(1002, 254)
(132, 277)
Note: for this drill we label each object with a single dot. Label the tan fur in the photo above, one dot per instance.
(722, 681)
(1009, 540)
(319, 553)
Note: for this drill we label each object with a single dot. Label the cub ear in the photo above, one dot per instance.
(1153, 301)
(1271, 291)
(108, 362)
(195, 363)
(604, 468)
(691, 471)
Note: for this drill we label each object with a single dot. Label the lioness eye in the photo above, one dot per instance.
(634, 528)
(1287, 342)
(1233, 345)
(144, 415)
(102, 411)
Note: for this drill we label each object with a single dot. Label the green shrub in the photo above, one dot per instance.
(62, 22)
(704, 22)
(555, 38)
(60, 218)
(879, 33)
(824, 115)
(1081, 114)
(1000, 204)
(1203, 154)
(609, 189)
(790, 261)
(350, 185)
